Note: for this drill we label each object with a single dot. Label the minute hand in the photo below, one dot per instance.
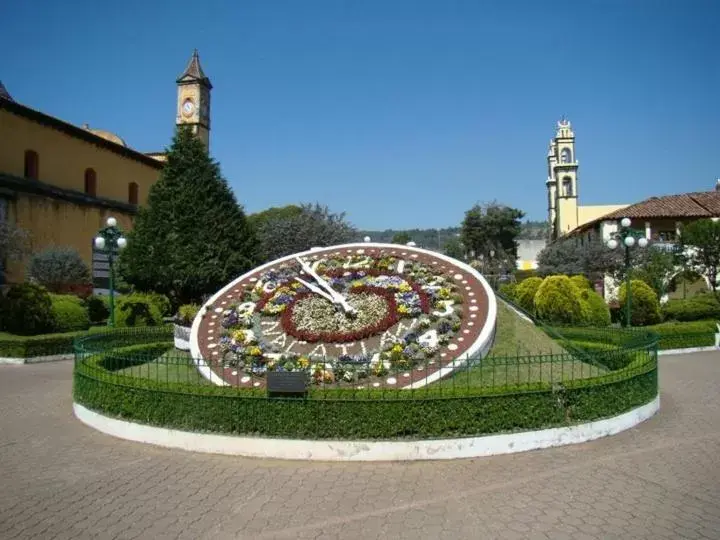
(337, 297)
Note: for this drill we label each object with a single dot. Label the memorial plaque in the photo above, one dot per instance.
(287, 383)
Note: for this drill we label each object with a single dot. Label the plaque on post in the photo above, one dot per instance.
(284, 384)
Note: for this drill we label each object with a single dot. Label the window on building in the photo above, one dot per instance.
(133, 193)
(32, 164)
(567, 187)
(90, 182)
(566, 156)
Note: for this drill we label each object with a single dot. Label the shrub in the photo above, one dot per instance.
(67, 298)
(69, 315)
(162, 302)
(137, 310)
(695, 308)
(508, 290)
(59, 269)
(557, 301)
(98, 308)
(526, 291)
(645, 307)
(186, 314)
(581, 282)
(595, 311)
(26, 310)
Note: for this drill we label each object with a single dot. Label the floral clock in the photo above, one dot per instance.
(354, 315)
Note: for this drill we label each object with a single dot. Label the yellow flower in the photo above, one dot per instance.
(303, 362)
(295, 285)
(254, 351)
(404, 287)
(397, 348)
(239, 336)
(402, 309)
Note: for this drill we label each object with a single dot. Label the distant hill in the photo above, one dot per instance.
(436, 238)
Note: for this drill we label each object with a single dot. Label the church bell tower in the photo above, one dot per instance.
(193, 102)
(562, 181)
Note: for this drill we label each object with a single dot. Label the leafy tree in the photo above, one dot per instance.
(491, 227)
(567, 256)
(401, 238)
(192, 237)
(454, 248)
(258, 219)
(58, 269)
(315, 226)
(13, 243)
(700, 248)
(653, 266)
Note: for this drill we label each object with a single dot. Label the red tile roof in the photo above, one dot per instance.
(703, 204)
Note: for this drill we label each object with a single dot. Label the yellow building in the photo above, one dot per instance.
(564, 213)
(60, 182)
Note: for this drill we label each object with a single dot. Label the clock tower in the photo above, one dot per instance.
(193, 104)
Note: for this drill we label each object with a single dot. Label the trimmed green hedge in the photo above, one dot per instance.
(345, 414)
(13, 346)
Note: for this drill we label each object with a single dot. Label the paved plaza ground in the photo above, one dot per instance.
(61, 479)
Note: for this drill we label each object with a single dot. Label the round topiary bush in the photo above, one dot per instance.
(525, 293)
(644, 305)
(595, 311)
(557, 301)
(69, 315)
(26, 310)
(696, 308)
(98, 308)
(508, 290)
(137, 310)
(581, 282)
(162, 302)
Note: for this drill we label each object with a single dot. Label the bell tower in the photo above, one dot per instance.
(193, 101)
(563, 167)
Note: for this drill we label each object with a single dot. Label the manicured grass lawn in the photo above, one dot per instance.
(522, 353)
(173, 366)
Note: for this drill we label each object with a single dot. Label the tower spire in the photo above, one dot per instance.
(194, 72)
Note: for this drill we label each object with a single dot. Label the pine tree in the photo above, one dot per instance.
(192, 237)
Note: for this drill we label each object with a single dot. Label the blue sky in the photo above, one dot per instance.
(402, 113)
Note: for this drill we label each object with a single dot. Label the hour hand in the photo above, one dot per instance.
(316, 290)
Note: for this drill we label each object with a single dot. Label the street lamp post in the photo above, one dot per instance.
(107, 240)
(627, 237)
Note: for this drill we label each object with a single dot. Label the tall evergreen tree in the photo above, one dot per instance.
(192, 236)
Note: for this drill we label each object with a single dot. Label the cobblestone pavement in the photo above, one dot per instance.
(61, 479)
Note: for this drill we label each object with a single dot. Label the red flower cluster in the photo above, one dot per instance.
(383, 324)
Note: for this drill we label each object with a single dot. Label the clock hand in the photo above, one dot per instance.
(316, 289)
(337, 297)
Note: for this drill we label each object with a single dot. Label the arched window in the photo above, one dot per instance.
(32, 164)
(90, 182)
(567, 187)
(133, 193)
(566, 156)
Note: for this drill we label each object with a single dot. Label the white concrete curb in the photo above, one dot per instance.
(687, 351)
(366, 450)
(37, 359)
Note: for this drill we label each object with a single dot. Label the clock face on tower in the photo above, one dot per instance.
(188, 107)
(355, 315)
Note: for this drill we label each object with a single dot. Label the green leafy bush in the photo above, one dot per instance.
(98, 308)
(557, 301)
(67, 298)
(695, 308)
(69, 315)
(186, 314)
(26, 310)
(59, 269)
(581, 282)
(645, 307)
(137, 310)
(526, 291)
(162, 302)
(508, 290)
(595, 311)
(682, 335)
